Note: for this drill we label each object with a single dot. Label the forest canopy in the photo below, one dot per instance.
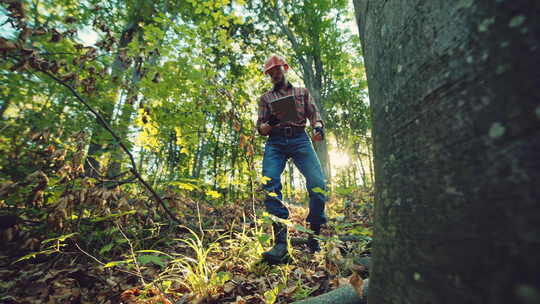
(126, 122)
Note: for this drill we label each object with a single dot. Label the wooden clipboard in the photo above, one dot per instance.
(285, 105)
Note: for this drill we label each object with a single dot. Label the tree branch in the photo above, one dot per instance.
(104, 123)
(294, 42)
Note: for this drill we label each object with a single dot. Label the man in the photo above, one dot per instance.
(288, 139)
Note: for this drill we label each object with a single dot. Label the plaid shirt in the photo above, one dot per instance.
(305, 107)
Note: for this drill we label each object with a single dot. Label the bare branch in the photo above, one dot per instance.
(104, 123)
(133, 256)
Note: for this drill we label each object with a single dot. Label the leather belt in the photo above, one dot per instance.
(287, 131)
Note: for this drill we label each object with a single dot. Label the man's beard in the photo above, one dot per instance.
(281, 84)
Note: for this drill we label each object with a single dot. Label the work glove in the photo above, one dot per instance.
(320, 131)
(273, 120)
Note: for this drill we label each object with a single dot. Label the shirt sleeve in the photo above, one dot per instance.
(312, 112)
(263, 114)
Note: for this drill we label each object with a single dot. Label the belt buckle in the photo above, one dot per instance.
(288, 131)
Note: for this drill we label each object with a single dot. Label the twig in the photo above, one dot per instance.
(103, 264)
(103, 122)
(199, 216)
(137, 266)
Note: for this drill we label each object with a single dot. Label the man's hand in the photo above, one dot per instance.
(274, 120)
(319, 134)
(265, 128)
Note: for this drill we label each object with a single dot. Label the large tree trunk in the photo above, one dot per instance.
(454, 90)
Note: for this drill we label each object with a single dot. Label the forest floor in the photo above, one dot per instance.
(70, 238)
(217, 263)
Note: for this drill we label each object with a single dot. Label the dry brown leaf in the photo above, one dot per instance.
(130, 296)
(342, 282)
(239, 300)
(228, 287)
(289, 290)
(357, 282)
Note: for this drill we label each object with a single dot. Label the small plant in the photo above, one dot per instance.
(200, 275)
(56, 244)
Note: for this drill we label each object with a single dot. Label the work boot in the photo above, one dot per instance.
(279, 253)
(312, 242)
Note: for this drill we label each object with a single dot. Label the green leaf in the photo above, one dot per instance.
(151, 251)
(271, 295)
(263, 238)
(59, 238)
(319, 190)
(302, 229)
(34, 254)
(116, 263)
(111, 216)
(148, 258)
(222, 277)
(106, 248)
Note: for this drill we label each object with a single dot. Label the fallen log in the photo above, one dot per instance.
(342, 295)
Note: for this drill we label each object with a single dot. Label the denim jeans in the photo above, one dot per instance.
(277, 151)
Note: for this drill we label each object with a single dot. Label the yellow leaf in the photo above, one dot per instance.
(213, 194)
(265, 180)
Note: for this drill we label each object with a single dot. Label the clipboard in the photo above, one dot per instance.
(285, 105)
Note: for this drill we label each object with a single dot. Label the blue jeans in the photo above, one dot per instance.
(277, 151)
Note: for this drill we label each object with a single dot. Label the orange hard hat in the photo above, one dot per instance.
(274, 61)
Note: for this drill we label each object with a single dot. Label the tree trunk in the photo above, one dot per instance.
(290, 181)
(454, 95)
(363, 170)
(201, 147)
(312, 70)
(100, 136)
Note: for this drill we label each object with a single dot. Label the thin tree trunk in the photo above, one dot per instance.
(291, 180)
(97, 143)
(363, 170)
(216, 157)
(312, 70)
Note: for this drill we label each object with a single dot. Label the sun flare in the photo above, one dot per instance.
(339, 159)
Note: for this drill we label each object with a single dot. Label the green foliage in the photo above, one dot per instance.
(148, 258)
(178, 82)
(57, 244)
(200, 275)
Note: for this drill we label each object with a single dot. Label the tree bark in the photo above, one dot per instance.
(363, 170)
(454, 93)
(312, 70)
(369, 145)
(97, 144)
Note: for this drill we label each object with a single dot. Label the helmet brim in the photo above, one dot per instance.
(285, 66)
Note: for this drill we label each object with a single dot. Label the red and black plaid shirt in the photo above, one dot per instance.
(305, 107)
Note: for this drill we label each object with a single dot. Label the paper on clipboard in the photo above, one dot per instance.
(285, 105)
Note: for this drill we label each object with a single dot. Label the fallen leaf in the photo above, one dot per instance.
(289, 290)
(239, 300)
(357, 282)
(342, 282)
(229, 286)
